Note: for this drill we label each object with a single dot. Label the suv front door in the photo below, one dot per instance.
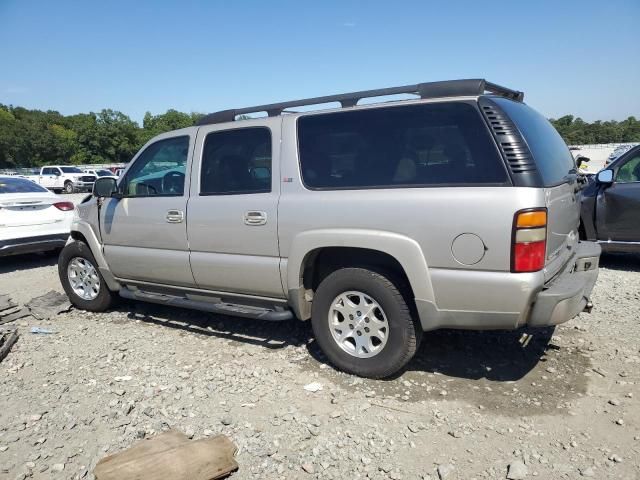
(232, 228)
(145, 231)
(618, 204)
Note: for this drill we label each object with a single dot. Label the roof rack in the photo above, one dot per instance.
(450, 88)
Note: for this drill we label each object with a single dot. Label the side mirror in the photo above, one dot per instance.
(605, 176)
(57, 173)
(105, 187)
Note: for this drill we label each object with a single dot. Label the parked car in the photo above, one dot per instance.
(32, 219)
(98, 173)
(63, 179)
(611, 205)
(617, 152)
(376, 222)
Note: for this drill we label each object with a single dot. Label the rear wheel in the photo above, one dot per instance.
(82, 280)
(362, 322)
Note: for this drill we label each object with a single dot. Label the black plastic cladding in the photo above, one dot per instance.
(512, 146)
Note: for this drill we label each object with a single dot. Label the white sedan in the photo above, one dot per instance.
(32, 219)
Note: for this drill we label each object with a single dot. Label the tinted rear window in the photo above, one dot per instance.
(19, 185)
(551, 154)
(416, 145)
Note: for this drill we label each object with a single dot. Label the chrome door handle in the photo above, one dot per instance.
(255, 218)
(175, 216)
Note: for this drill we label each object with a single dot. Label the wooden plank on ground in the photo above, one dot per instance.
(6, 302)
(15, 315)
(7, 339)
(171, 456)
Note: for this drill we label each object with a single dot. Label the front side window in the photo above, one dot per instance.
(236, 161)
(630, 171)
(159, 170)
(416, 145)
(71, 170)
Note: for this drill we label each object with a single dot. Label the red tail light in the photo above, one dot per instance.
(64, 206)
(529, 240)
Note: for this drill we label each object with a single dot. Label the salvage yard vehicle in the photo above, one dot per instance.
(457, 209)
(63, 179)
(32, 219)
(100, 172)
(611, 205)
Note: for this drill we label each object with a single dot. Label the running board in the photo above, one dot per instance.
(278, 314)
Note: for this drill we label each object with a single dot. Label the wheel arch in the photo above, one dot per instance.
(82, 231)
(315, 254)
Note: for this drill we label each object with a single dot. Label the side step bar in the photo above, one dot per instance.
(221, 308)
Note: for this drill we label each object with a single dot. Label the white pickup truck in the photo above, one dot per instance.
(63, 179)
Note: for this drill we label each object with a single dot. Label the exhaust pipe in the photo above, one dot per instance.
(588, 307)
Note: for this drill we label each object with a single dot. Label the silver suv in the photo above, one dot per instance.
(457, 209)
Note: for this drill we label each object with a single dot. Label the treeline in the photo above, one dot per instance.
(576, 131)
(30, 138)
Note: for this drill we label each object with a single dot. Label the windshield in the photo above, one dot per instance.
(70, 169)
(19, 185)
(104, 173)
(551, 154)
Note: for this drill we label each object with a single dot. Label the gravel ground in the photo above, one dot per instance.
(471, 404)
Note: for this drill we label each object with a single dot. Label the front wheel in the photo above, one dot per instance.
(81, 279)
(362, 322)
(68, 187)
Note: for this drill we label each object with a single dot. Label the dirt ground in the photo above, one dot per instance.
(470, 405)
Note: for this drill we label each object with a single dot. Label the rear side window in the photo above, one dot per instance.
(552, 156)
(20, 185)
(416, 145)
(236, 161)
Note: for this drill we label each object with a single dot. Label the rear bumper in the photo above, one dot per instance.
(40, 243)
(569, 293)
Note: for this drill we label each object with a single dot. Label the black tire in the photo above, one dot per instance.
(105, 297)
(68, 187)
(404, 332)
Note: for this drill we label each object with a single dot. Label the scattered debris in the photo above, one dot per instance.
(313, 387)
(171, 455)
(10, 311)
(517, 470)
(44, 331)
(48, 305)
(8, 336)
(445, 471)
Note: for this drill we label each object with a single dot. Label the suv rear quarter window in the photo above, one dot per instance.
(404, 146)
(551, 155)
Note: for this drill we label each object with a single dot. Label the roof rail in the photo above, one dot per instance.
(449, 88)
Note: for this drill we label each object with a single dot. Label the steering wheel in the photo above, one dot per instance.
(173, 182)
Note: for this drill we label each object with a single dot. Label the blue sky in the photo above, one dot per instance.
(578, 57)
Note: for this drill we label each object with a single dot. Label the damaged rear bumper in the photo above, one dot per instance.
(569, 293)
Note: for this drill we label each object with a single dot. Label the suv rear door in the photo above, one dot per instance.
(558, 174)
(144, 232)
(233, 208)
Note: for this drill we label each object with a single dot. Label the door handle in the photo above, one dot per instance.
(175, 216)
(255, 218)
